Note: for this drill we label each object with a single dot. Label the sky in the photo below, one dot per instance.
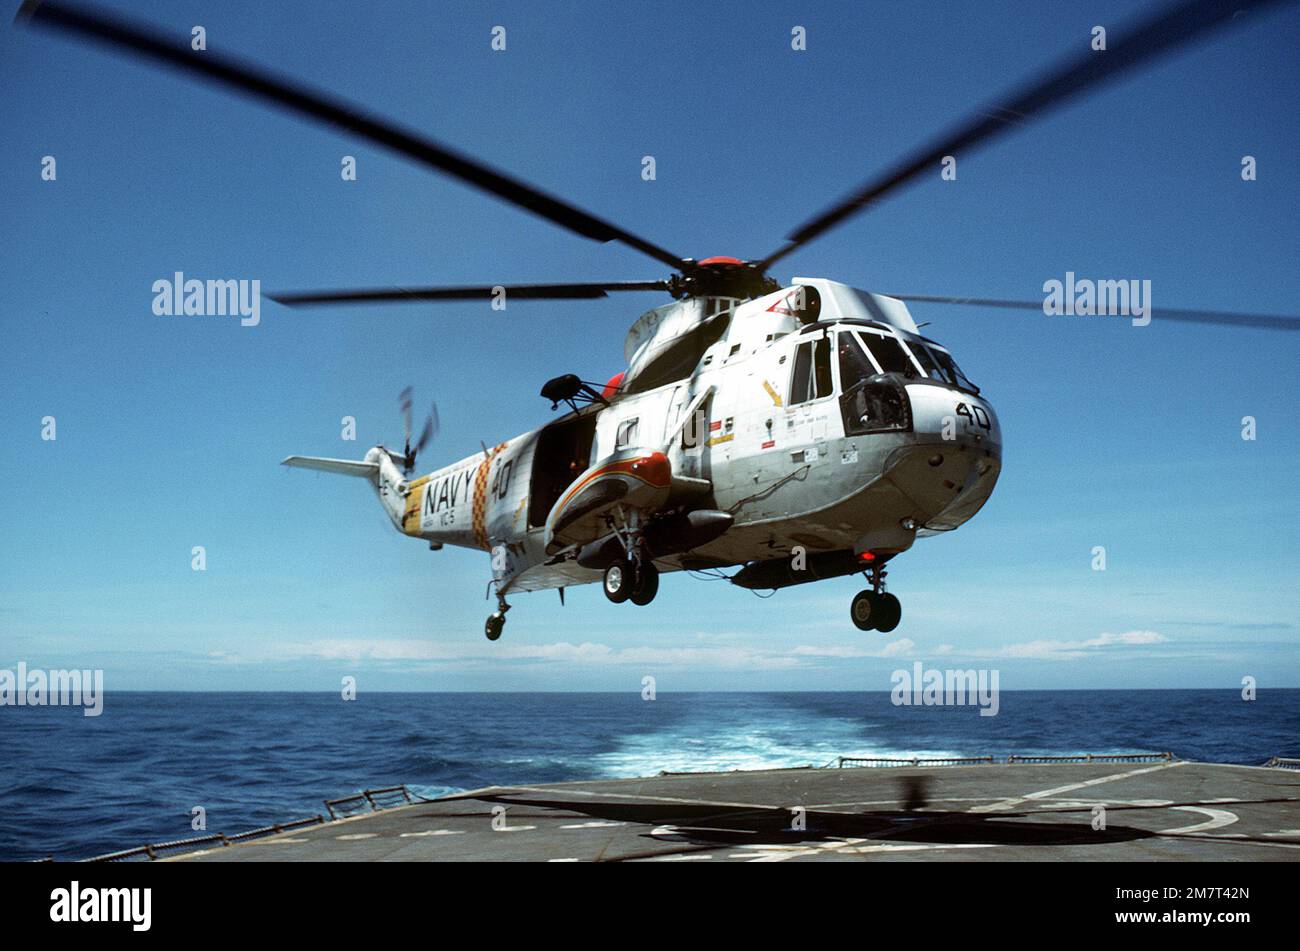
(170, 430)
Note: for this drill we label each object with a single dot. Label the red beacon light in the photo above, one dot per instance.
(867, 556)
(611, 388)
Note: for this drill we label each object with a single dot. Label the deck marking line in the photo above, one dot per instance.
(624, 795)
(1044, 793)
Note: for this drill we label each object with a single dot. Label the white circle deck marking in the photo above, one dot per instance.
(694, 857)
(1218, 819)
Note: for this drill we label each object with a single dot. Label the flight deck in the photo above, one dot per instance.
(1124, 808)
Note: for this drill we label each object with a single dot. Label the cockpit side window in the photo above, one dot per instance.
(888, 353)
(811, 377)
(822, 366)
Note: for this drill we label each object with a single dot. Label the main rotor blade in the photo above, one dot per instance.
(1182, 315)
(147, 43)
(483, 293)
(1153, 37)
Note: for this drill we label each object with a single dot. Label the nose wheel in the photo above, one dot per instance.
(496, 621)
(875, 612)
(875, 609)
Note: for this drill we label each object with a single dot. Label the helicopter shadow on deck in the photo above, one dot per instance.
(707, 824)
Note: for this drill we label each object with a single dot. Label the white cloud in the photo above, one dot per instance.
(562, 652)
(701, 656)
(1059, 650)
(903, 647)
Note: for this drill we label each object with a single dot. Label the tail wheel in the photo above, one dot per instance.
(620, 578)
(890, 612)
(647, 583)
(495, 623)
(865, 610)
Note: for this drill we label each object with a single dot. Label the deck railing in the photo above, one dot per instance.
(372, 800)
(840, 762)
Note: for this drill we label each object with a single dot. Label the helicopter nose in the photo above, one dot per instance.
(945, 415)
(948, 468)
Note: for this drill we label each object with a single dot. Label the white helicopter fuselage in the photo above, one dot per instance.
(760, 428)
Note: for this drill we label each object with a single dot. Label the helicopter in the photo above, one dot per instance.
(792, 431)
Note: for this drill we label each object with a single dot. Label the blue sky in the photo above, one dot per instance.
(170, 430)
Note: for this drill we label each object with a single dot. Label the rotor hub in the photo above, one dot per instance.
(721, 276)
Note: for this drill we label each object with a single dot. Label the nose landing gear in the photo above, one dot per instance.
(874, 609)
(497, 620)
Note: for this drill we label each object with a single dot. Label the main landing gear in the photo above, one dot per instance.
(874, 609)
(633, 578)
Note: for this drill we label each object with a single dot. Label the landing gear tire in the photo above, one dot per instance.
(647, 583)
(620, 579)
(494, 625)
(890, 613)
(865, 610)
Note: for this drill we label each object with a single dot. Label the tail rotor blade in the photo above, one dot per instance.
(404, 400)
(429, 431)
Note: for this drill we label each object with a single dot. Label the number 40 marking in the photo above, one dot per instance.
(977, 415)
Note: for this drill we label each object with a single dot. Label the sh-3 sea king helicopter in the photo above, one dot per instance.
(793, 432)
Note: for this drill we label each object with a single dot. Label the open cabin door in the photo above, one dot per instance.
(563, 453)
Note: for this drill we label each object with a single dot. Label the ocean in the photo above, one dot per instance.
(74, 786)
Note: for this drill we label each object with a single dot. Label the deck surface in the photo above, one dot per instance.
(1162, 811)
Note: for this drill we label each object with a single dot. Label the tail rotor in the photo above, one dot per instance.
(430, 429)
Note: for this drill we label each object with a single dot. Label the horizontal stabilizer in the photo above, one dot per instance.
(366, 470)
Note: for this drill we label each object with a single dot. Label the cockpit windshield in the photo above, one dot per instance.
(854, 365)
(887, 352)
(951, 370)
(923, 357)
(864, 353)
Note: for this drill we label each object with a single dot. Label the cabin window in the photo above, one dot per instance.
(811, 377)
(626, 434)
